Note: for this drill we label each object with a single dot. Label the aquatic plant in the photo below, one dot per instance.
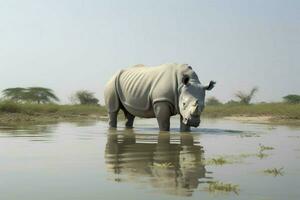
(274, 171)
(229, 159)
(262, 155)
(216, 186)
(246, 155)
(217, 161)
(263, 148)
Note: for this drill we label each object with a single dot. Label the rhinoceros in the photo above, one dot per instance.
(156, 92)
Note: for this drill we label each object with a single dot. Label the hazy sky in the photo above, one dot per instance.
(72, 45)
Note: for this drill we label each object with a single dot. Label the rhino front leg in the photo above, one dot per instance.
(163, 113)
(184, 127)
(113, 119)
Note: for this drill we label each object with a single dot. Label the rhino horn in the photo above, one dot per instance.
(210, 86)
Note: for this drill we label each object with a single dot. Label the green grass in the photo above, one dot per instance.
(282, 112)
(11, 112)
(28, 108)
(217, 186)
(276, 110)
(274, 171)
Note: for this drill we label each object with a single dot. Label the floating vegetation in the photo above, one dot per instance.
(264, 148)
(217, 161)
(271, 128)
(274, 171)
(262, 155)
(246, 155)
(229, 159)
(164, 165)
(217, 186)
(249, 135)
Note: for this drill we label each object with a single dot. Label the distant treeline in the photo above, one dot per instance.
(245, 98)
(41, 95)
(39, 105)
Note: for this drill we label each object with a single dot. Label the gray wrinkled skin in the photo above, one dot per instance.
(156, 92)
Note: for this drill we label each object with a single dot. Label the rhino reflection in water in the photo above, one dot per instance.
(173, 165)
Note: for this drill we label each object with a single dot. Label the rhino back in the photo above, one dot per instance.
(139, 87)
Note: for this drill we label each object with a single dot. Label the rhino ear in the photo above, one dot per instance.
(210, 86)
(185, 79)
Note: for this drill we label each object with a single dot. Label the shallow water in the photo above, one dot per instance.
(87, 161)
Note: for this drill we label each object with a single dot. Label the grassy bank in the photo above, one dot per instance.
(11, 112)
(277, 112)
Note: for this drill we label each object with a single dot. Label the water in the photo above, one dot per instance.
(87, 161)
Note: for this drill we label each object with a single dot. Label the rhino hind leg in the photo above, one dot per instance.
(113, 119)
(163, 113)
(129, 118)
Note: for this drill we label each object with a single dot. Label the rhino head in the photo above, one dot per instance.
(191, 100)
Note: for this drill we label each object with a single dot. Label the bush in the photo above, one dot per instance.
(292, 98)
(9, 106)
(84, 97)
(212, 101)
(233, 102)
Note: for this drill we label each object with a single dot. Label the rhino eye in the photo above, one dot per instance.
(183, 104)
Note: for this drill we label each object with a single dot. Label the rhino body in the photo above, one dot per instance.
(149, 92)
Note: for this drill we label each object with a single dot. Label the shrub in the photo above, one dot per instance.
(232, 102)
(84, 97)
(212, 101)
(9, 106)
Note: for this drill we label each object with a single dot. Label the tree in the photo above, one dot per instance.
(292, 98)
(40, 95)
(15, 94)
(245, 98)
(212, 101)
(32, 94)
(85, 97)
